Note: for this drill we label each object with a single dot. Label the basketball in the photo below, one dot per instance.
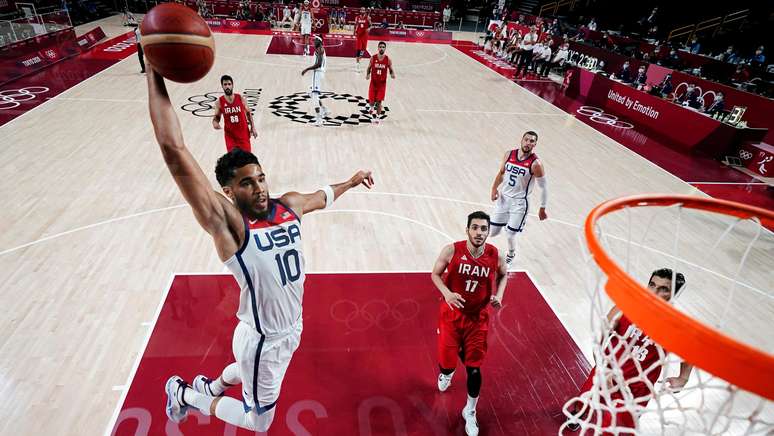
(178, 42)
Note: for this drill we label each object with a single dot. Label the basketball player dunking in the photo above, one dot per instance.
(318, 74)
(511, 189)
(238, 120)
(476, 277)
(362, 24)
(258, 238)
(307, 17)
(377, 72)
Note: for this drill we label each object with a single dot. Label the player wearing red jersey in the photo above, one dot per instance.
(362, 24)
(379, 65)
(476, 277)
(638, 358)
(238, 121)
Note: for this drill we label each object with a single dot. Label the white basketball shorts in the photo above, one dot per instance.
(510, 212)
(262, 364)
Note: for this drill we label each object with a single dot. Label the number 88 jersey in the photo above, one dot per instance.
(269, 268)
(473, 278)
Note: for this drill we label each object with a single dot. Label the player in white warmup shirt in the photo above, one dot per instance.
(259, 239)
(519, 172)
(307, 16)
(318, 74)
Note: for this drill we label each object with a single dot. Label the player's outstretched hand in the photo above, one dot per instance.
(496, 302)
(676, 384)
(454, 299)
(542, 214)
(495, 195)
(363, 177)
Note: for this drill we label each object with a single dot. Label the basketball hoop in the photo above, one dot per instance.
(732, 375)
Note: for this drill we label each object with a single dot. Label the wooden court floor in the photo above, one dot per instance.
(94, 226)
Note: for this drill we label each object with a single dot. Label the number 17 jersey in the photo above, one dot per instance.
(473, 278)
(269, 268)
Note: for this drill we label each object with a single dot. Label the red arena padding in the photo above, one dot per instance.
(367, 363)
(289, 43)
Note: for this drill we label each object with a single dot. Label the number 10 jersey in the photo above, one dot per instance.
(269, 268)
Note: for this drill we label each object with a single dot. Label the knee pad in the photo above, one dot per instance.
(474, 381)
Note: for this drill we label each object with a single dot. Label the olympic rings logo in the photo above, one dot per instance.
(745, 155)
(420, 34)
(318, 23)
(599, 116)
(12, 98)
(702, 95)
(375, 313)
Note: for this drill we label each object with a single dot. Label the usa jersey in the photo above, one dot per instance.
(473, 278)
(517, 180)
(269, 268)
(306, 16)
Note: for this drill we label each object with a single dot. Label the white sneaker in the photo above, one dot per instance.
(444, 381)
(201, 384)
(509, 257)
(318, 122)
(471, 425)
(325, 112)
(176, 410)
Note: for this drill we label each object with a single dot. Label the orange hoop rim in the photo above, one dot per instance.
(702, 346)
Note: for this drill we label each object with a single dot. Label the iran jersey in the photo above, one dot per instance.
(235, 125)
(472, 277)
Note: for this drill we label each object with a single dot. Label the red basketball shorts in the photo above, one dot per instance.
(466, 331)
(376, 91)
(361, 43)
(234, 142)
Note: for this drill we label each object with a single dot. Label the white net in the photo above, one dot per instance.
(638, 387)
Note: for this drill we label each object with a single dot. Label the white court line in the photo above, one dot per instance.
(727, 183)
(492, 112)
(89, 226)
(556, 108)
(556, 312)
(392, 215)
(421, 196)
(63, 93)
(136, 365)
(112, 100)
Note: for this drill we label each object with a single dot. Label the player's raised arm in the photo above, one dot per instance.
(499, 177)
(325, 196)
(453, 299)
(502, 281)
(196, 189)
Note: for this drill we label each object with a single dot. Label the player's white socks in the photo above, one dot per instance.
(197, 400)
(230, 376)
(233, 412)
(471, 405)
(511, 241)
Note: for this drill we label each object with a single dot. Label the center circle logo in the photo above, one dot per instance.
(290, 107)
(599, 116)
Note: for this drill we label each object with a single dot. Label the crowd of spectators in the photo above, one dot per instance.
(751, 61)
